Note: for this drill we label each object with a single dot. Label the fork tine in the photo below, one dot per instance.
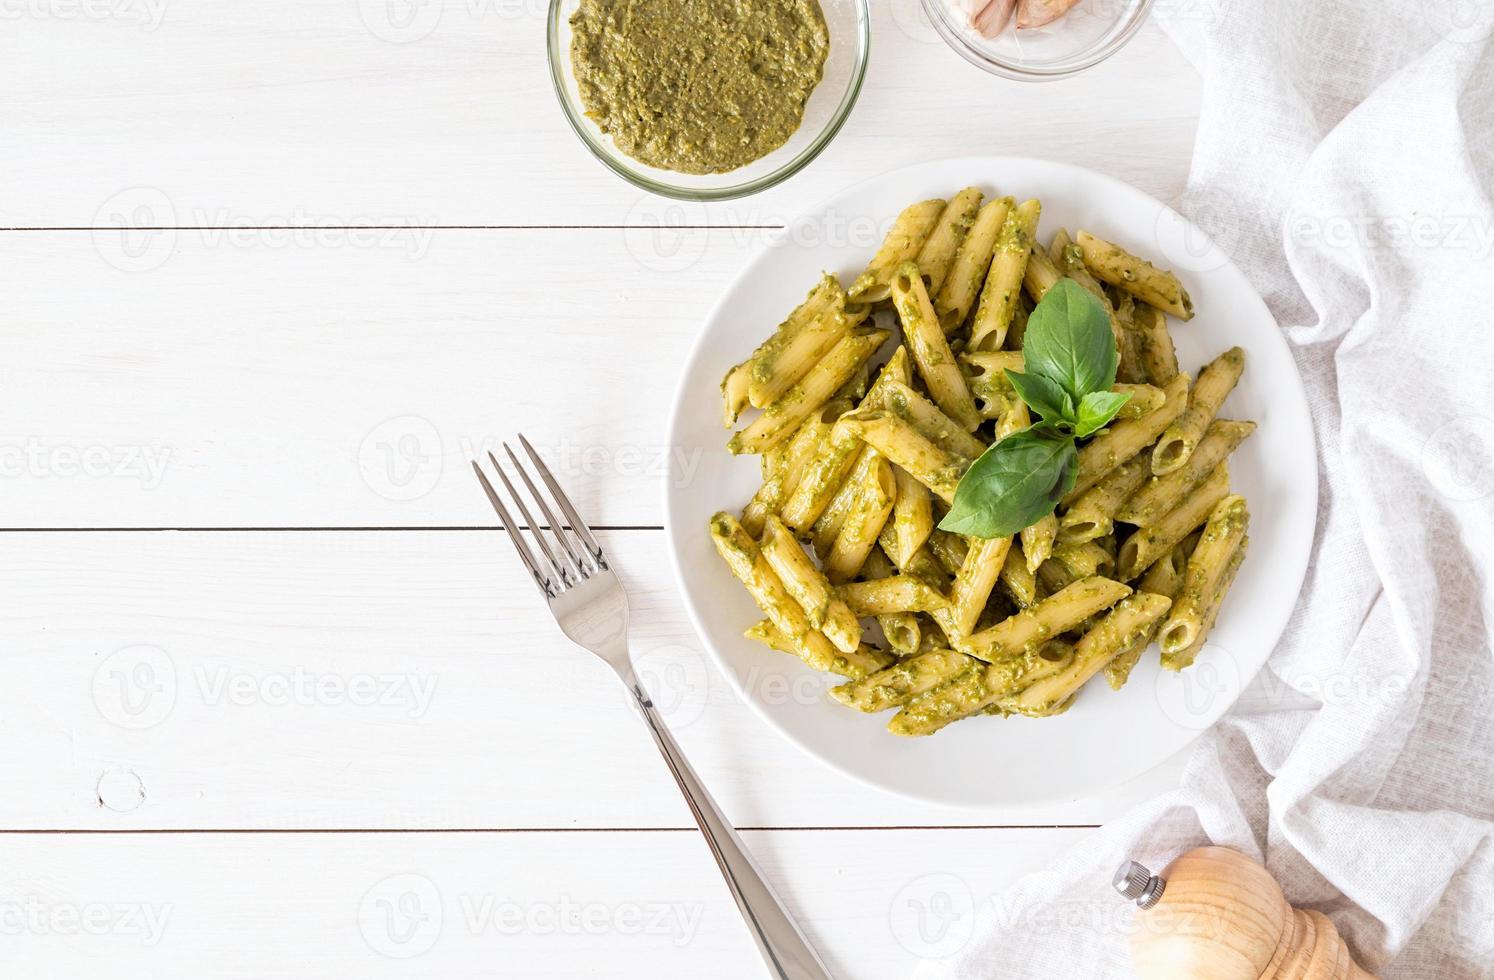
(557, 527)
(534, 528)
(577, 524)
(511, 527)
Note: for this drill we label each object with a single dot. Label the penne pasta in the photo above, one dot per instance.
(1093, 514)
(799, 344)
(1132, 618)
(1003, 288)
(923, 415)
(937, 255)
(1159, 361)
(823, 479)
(795, 460)
(895, 372)
(926, 341)
(895, 685)
(902, 244)
(1038, 541)
(1123, 440)
(874, 489)
(809, 587)
(1184, 658)
(778, 420)
(825, 530)
(935, 468)
(912, 516)
(977, 577)
(1150, 543)
(1060, 612)
(1206, 569)
(1138, 277)
(866, 660)
(1019, 581)
(1215, 382)
(750, 567)
(1165, 576)
(900, 593)
(1144, 400)
(901, 630)
(1085, 560)
(962, 286)
(1040, 275)
(734, 393)
(1160, 494)
(977, 689)
(949, 551)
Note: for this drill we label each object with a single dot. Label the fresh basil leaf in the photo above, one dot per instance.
(1069, 341)
(1044, 396)
(1014, 484)
(1096, 410)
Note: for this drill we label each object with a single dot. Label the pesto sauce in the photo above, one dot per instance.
(698, 86)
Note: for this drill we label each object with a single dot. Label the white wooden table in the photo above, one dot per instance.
(278, 701)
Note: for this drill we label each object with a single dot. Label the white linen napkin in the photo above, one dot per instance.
(1345, 159)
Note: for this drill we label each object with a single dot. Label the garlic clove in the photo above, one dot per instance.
(1038, 13)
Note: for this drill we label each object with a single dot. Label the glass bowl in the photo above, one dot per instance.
(849, 22)
(1091, 32)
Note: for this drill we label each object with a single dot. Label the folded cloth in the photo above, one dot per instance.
(1345, 160)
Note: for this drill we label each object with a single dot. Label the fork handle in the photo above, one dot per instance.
(786, 952)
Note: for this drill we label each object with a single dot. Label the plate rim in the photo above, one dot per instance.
(1297, 392)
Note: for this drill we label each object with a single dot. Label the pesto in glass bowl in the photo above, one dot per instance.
(693, 106)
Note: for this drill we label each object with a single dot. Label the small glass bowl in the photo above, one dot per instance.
(1085, 36)
(849, 22)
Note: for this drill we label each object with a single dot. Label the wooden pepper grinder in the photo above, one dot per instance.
(1215, 914)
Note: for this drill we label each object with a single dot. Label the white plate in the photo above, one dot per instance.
(1107, 737)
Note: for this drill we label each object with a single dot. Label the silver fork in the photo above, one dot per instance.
(590, 606)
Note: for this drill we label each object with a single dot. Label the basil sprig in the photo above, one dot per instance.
(1070, 364)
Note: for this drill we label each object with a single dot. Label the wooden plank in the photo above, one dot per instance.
(328, 112)
(482, 905)
(242, 380)
(372, 680)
